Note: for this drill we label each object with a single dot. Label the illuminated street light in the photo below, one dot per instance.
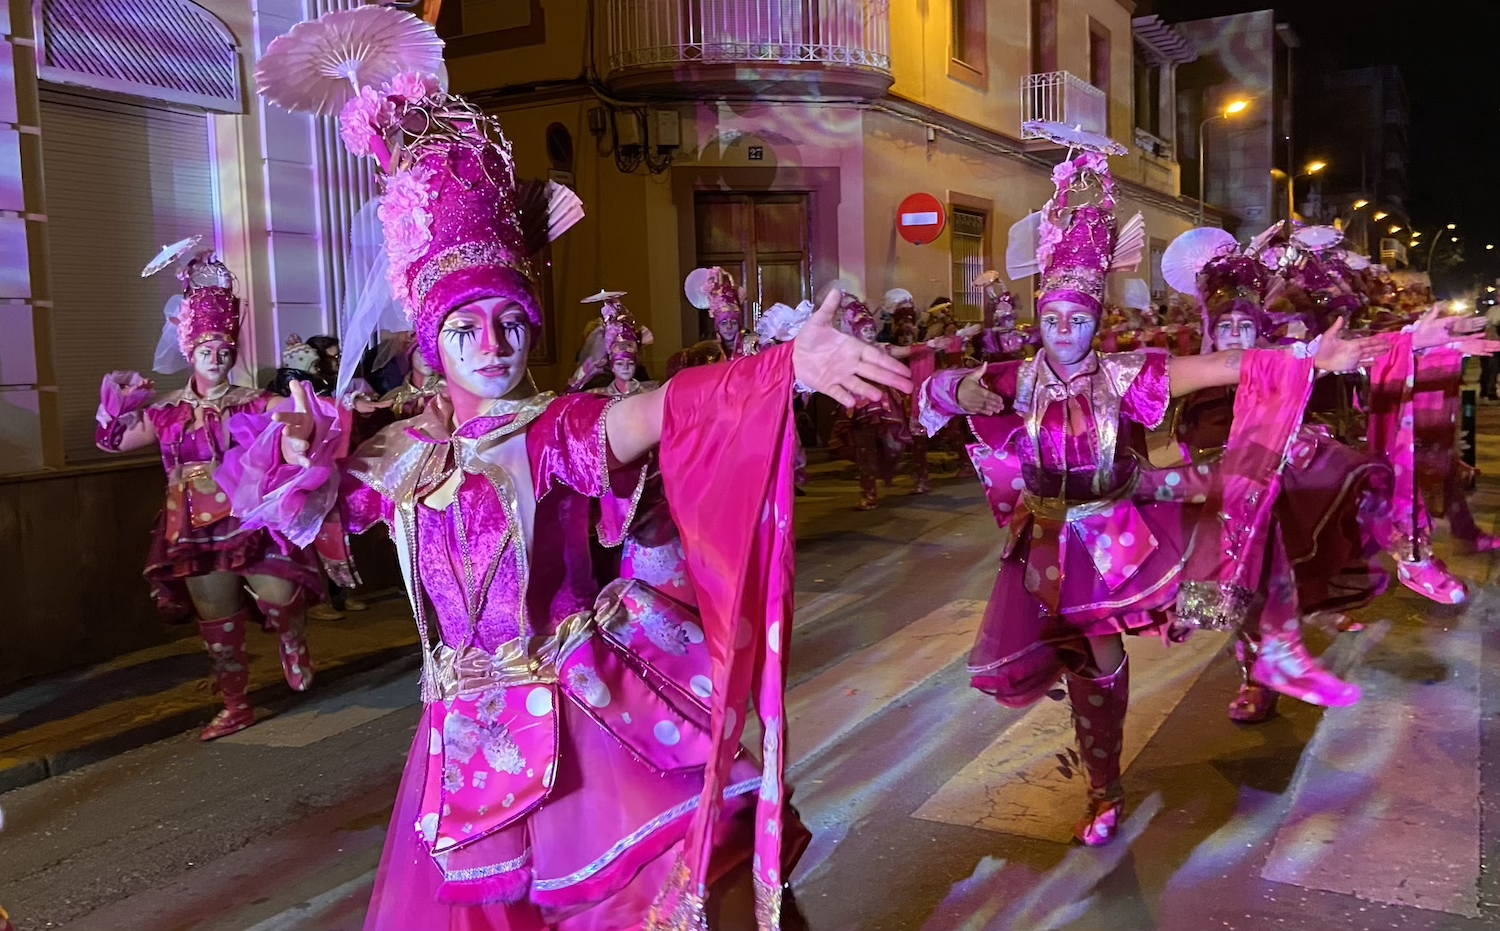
(1455, 239)
(1315, 167)
(1362, 204)
(1490, 247)
(1380, 215)
(1453, 226)
(1239, 105)
(1395, 228)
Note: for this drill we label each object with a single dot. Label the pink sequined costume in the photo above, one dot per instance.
(1099, 543)
(1328, 518)
(196, 536)
(872, 436)
(578, 759)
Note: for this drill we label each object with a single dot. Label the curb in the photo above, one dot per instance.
(275, 698)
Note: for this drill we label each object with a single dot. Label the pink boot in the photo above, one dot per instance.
(1282, 661)
(225, 640)
(289, 621)
(1431, 579)
(1255, 702)
(1099, 722)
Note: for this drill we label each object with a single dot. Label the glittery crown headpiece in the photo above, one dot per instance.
(457, 226)
(724, 296)
(210, 310)
(854, 315)
(1235, 283)
(1079, 245)
(623, 334)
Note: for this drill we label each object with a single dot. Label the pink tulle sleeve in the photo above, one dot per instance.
(122, 395)
(1147, 398)
(266, 491)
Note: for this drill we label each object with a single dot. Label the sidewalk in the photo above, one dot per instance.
(59, 724)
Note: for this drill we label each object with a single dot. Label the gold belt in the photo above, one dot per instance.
(471, 670)
(1059, 510)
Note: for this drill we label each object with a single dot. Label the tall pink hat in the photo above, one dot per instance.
(458, 228)
(854, 314)
(1076, 246)
(210, 310)
(623, 334)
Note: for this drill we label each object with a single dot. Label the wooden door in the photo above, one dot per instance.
(764, 240)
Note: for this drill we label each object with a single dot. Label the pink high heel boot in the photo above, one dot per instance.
(1099, 707)
(289, 622)
(225, 640)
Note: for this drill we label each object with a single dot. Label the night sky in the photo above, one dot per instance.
(1449, 55)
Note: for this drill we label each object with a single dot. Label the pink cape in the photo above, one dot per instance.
(732, 502)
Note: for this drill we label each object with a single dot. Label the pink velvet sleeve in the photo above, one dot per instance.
(937, 400)
(1147, 398)
(568, 447)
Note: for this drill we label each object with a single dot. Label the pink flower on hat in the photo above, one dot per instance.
(365, 120)
(407, 221)
(410, 87)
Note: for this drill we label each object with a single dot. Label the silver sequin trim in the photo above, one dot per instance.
(485, 872)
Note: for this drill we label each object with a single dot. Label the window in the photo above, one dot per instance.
(968, 57)
(1098, 56)
(1147, 96)
(968, 262)
(1043, 36)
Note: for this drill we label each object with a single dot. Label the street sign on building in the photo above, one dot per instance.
(920, 219)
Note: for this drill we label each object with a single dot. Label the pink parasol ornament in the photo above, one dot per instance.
(1186, 256)
(697, 287)
(1074, 137)
(170, 254)
(318, 65)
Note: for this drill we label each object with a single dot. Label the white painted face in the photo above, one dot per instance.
(622, 361)
(485, 344)
(1067, 331)
(1234, 331)
(211, 363)
(728, 326)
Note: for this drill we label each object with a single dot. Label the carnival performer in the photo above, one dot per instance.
(577, 765)
(922, 358)
(612, 347)
(872, 436)
(714, 290)
(1001, 339)
(201, 557)
(1101, 545)
(1411, 407)
(1333, 512)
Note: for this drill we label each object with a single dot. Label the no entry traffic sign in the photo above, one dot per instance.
(920, 219)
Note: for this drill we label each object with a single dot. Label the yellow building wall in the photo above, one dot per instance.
(900, 162)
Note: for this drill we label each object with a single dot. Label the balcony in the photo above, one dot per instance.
(822, 49)
(1392, 253)
(1061, 97)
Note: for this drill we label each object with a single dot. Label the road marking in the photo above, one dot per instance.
(325, 718)
(1015, 787)
(300, 917)
(1387, 794)
(837, 700)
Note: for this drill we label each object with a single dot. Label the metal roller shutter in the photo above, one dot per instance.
(121, 180)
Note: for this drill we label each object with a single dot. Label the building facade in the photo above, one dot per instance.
(1357, 123)
(126, 125)
(1248, 158)
(777, 138)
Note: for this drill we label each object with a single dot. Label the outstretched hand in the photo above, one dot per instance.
(1466, 334)
(975, 398)
(1337, 354)
(840, 366)
(297, 426)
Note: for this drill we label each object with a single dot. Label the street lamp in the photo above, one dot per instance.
(1232, 108)
(1395, 228)
(1453, 226)
(1432, 250)
(1380, 215)
(1362, 204)
(1311, 168)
